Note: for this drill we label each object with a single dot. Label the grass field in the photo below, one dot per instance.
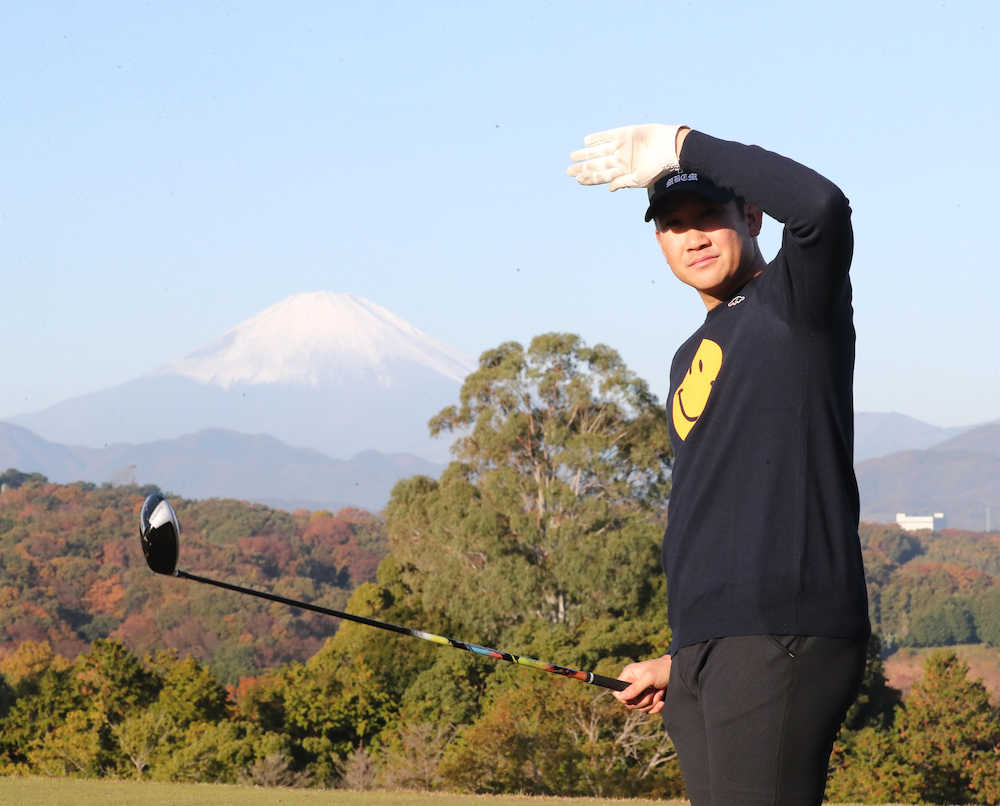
(905, 667)
(77, 792)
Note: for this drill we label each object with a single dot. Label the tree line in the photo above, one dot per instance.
(459, 724)
(932, 589)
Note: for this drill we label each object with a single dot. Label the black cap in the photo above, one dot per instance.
(677, 180)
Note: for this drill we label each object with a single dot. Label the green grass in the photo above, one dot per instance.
(90, 792)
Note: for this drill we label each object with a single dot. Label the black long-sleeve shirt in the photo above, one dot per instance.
(762, 534)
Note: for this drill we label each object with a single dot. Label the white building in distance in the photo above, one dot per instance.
(913, 523)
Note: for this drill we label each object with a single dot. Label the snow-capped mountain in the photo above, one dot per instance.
(332, 372)
(319, 338)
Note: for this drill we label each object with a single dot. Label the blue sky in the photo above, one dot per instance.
(170, 169)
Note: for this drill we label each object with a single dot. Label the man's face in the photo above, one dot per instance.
(709, 246)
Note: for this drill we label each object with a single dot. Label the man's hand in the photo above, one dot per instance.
(649, 684)
(627, 157)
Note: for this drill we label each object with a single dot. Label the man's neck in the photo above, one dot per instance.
(714, 298)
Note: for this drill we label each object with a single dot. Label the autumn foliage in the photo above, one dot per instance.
(71, 571)
(932, 589)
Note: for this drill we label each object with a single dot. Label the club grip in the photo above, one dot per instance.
(610, 682)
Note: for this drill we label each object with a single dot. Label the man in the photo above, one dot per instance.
(766, 593)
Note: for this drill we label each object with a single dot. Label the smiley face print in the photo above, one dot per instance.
(691, 396)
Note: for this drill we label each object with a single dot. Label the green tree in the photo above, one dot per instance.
(43, 699)
(6, 697)
(207, 752)
(945, 623)
(987, 617)
(189, 693)
(546, 737)
(922, 587)
(139, 735)
(893, 544)
(75, 748)
(332, 705)
(113, 679)
(62, 721)
(260, 700)
(449, 692)
(551, 508)
(866, 767)
(948, 732)
(14, 478)
(876, 702)
(518, 745)
(232, 661)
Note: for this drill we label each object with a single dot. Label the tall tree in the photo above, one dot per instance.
(113, 681)
(44, 697)
(551, 508)
(950, 734)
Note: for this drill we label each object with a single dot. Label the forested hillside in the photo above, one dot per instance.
(71, 571)
(932, 588)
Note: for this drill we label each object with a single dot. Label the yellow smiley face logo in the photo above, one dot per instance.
(691, 396)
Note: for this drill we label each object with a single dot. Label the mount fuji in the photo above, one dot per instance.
(334, 373)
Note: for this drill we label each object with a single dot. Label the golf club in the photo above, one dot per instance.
(159, 533)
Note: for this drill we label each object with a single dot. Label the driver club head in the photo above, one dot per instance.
(159, 533)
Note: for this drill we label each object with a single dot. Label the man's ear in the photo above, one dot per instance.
(755, 218)
(660, 241)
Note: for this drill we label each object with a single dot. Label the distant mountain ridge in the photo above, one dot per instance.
(332, 372)
(216, 463)
(262, 411)
(882, 433)
(959, 477)
(981, 439)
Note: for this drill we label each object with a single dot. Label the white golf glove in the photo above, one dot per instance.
(627, 157)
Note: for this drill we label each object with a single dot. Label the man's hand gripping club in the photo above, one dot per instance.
(649, 680)
(629, 156)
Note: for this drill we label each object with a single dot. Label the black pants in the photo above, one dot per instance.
(754, 717)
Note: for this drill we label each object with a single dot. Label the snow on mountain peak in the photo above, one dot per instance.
(315, 337)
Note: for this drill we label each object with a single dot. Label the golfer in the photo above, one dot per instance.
(766, 592)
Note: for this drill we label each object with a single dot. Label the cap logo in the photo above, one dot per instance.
(673, 180)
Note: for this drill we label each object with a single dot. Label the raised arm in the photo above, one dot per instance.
(817, 242)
